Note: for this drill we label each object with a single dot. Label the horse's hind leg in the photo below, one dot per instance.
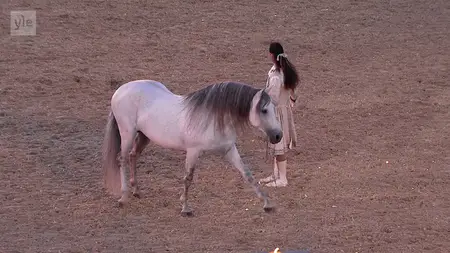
(191, 159)
(140, 142)
(127, 136)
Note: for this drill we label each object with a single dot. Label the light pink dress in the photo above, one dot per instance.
(281, 98)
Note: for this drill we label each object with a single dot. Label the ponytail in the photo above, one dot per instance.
(289, 72)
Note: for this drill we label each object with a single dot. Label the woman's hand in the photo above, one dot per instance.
(292, 101)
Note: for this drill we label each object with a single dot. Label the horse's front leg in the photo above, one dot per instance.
(191, 159)
(232, 155)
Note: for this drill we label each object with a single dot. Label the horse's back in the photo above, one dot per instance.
(138, 95)
(141, 88)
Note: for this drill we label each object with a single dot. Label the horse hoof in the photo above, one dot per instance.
(121, 202)
(269, 208)
(187, 212)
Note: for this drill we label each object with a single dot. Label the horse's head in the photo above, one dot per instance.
(262, 115)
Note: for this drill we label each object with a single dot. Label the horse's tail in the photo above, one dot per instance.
(111, 149)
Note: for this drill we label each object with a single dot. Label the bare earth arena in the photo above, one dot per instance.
(371, 172)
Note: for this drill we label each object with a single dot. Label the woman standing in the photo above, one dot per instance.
(281, 84)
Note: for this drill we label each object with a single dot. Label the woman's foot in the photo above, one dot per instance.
(281, 181)
(277, 183)
(267, 179)
(272, 177)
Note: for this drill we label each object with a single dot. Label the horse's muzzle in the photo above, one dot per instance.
(275, 135)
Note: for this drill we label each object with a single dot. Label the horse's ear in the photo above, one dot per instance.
(264, 90)
(258, 94)
(253, 115)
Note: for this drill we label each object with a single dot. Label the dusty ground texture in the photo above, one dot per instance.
(371, 173)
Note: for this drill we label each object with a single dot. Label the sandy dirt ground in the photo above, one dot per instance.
(371, 172)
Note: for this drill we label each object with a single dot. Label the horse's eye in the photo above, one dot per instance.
(264, 111)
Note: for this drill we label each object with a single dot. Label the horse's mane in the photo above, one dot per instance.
(223, 104)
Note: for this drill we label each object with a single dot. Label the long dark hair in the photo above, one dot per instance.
(289, 71)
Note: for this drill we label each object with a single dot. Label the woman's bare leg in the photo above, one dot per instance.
(281, 181)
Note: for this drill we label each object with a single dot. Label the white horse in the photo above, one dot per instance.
(204, 120)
